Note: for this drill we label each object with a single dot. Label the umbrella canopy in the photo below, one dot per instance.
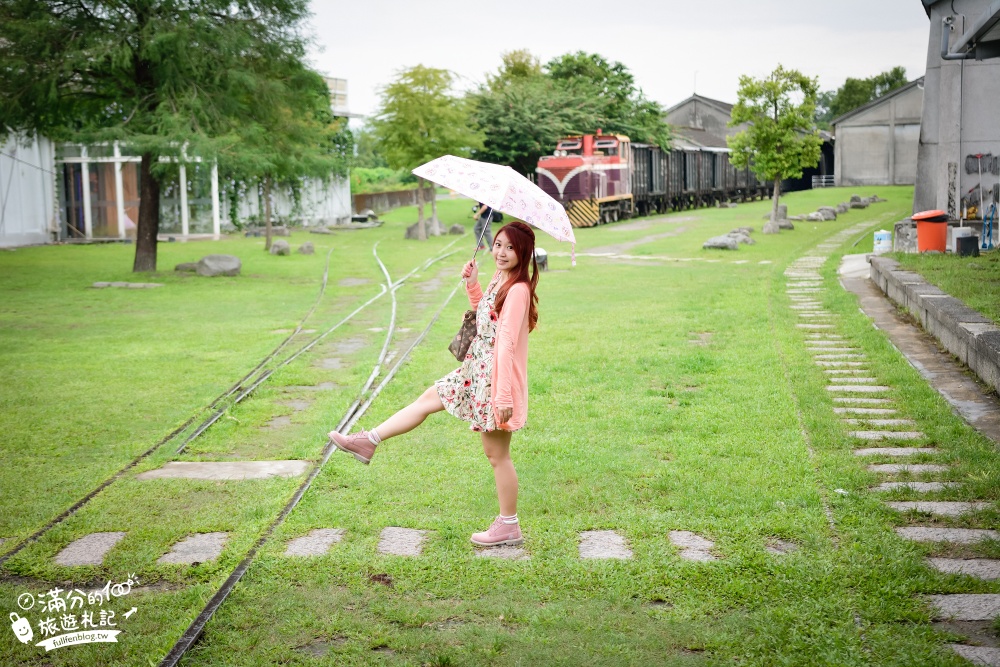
(502, 189)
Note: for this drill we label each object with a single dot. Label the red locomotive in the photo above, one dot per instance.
(591, 176)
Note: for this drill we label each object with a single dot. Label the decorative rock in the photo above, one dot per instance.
(306, 248)
(785, 224)
(227, 470)
(187, 266)
(859, 204)
(912, 468)
(280, 247)
(741, 237)
(316, 543)
(219, 265)
(456, 229)
(402, 541)
(966, 606)
(602, 544)
(828, 212)
(952, 535)
(980, 568)
(721, 243)
(894, 451)
(939, 508)
(816, 217)
(843, 207)
(196, 548)
(321, 230)
(127, 285)
(89, 549)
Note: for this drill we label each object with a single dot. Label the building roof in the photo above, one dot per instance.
(878, 100)
(697, 138)
(724, 107)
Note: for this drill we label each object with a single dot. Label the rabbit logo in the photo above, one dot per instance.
(21, 628)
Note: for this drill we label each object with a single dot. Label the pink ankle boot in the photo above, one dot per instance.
(355, 443)
(498, 534)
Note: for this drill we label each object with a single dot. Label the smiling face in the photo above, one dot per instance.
(503, 253)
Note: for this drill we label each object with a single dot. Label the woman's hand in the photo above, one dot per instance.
(470, 271)
(503, 415)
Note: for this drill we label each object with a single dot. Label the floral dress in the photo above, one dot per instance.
(465, 392)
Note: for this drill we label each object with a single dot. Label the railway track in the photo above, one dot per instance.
(243, 388)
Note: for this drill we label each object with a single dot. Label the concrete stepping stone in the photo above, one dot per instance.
(402, 541)
(197, 548)
(839, 355)
(316, 543)
(816, 345)
(950, 535)
(846, 372)
(506, 552)
(866, 389)
(938, 508)
(804, 290)
(780, 547)
(278, 423)
(895, 451)
(322, 386)
(862, 400)
(864, 411)
(919, 487)
(89, 549)
(853, 380)
(912, 468)
(966, 606)
(817, 313)
(987, 656)
(603, 544)
(826, 336)
(805, 305)
(330, 364)
(840, 364)
(810, 325)
(980, 568)
(296, 404)
(227, 470)
(693, 546)
(881, 422)
(886, 435)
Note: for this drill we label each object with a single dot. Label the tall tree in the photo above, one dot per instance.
(781, 139)
(290, 135)
(167, 77)
(420, 119)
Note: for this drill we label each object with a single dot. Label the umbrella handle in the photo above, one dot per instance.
(482, 235)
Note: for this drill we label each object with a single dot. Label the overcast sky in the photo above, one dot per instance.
(667, 45)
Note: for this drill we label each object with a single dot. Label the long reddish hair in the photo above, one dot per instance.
(522, 238)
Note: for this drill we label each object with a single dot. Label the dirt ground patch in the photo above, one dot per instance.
(623, 248)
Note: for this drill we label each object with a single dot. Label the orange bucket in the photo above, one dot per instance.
(932, 230)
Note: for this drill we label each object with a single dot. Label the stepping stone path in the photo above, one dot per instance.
(505, 552)
(297, 404)
(316, 543)
(197, 548)
(693, 546)
(980, 568)
(402, 541)
(227, 470)
(89, 549)
(780, 547)
(939, 508)
(854, 403)
(278, 423)
(603, 544)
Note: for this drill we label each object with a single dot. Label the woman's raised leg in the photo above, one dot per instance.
(411, 416)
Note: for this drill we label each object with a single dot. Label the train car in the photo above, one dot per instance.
(591, 176)
(602, 178)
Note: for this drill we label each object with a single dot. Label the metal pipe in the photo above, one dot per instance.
(946, 27)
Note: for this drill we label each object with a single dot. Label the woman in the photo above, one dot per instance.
(490, 389)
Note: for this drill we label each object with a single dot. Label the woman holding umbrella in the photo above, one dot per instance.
(490, 389)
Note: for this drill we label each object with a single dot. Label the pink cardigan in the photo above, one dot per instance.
(510, 353)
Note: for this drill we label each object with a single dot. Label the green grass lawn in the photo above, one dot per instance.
(667, 393)
(974, 280)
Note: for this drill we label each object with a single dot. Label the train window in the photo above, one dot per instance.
(606, 144)
(569, 147)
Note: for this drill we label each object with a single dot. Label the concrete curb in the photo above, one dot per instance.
(972, 338)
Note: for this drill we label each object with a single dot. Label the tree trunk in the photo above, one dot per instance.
(149, 217)
(267, 213)
(421, 227)
(771, 226)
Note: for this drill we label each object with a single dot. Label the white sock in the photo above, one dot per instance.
(509, 519)
(373, 437)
